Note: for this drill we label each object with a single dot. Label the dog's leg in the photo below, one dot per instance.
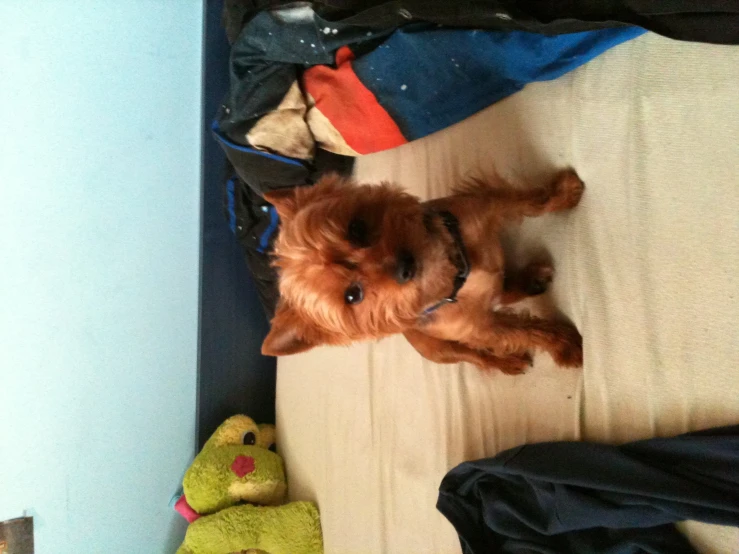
(532, 280)
(563, 193)
(509, 203)
(513, 332)
(450, 352)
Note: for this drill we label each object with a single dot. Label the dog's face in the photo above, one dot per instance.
(355, 262)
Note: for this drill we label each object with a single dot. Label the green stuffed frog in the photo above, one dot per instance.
(233, 497)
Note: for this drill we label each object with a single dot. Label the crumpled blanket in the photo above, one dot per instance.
(299, 82)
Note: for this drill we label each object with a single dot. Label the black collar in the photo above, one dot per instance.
(459, 259)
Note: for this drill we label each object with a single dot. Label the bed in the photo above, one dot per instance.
(646, 268)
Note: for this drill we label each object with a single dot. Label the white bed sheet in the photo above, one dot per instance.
(646, 268)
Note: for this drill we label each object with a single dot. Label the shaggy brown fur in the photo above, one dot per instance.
(361, 262)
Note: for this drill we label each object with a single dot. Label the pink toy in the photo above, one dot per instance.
(184, 509)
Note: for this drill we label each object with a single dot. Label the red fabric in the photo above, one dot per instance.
(185, 510)
(351, 107)
(243, 465)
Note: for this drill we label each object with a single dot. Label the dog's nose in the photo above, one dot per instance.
(243, 465)
(405, 268)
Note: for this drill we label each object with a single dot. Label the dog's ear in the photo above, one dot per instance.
(291, 334)
(284, 201)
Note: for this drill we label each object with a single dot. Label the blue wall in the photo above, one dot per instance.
(99, 248)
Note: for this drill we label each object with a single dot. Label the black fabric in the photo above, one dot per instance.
(712, 21)
(575, 497)
(251, 223)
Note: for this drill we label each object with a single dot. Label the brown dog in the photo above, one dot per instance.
(361, 262)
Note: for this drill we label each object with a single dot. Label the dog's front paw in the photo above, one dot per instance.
(567, 191)
(568, 350)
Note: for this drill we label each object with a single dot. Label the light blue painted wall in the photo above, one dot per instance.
(99, 237)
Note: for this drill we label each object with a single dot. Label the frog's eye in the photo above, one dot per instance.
(272, 447)
(249, 438)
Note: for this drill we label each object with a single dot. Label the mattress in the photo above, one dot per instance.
(646, 267)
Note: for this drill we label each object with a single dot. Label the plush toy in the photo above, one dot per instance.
(233, 497)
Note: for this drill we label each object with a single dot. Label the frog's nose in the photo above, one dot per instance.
(243, 465)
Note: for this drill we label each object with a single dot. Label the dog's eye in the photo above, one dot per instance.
(354, 294)
(358, 234)
(249, 438)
